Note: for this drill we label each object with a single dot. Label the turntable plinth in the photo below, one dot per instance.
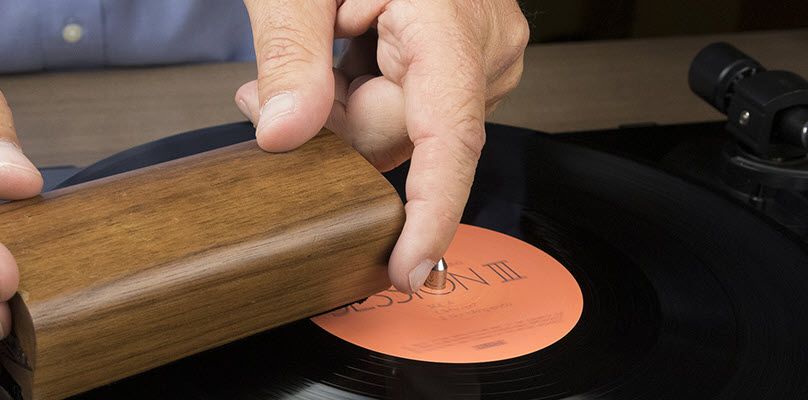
(137, 270)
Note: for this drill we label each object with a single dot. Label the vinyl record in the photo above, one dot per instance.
(684, 294)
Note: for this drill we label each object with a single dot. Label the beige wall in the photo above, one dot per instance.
(658, 18)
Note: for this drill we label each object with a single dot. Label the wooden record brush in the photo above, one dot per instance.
(130, 272)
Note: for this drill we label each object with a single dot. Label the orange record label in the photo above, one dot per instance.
(503, 298)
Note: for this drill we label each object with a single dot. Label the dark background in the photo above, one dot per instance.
(571, 20)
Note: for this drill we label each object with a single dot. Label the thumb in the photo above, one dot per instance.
(293, 48)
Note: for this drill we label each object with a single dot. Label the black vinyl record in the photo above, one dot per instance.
(686, 294)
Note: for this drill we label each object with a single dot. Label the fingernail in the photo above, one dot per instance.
(242, 106)
(276, 107)
(419, 274)
(12, 157)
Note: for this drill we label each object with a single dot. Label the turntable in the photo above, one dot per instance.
(642, 262)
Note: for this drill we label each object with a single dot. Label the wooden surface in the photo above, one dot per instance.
(137, 270)
(80, 117)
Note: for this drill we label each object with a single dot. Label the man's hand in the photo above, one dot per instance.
(417, 82)
(19, 179)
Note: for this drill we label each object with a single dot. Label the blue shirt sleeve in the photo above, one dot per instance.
(44, 34)
(19, 37)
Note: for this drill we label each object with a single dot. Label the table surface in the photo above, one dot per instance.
(75, 118)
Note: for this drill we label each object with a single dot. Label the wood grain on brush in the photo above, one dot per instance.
(134, 271)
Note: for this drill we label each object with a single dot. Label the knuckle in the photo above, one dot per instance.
(452, 215)
(461, 136)
(469, 140)
(498, 92)
(512, 79)
(398, 17)
(512, 53)
(284, 51)
(492, 104)
(520, 31)
(448, 213)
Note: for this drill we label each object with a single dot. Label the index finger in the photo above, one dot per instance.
(444, 89)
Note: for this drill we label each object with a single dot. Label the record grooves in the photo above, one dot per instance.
(685, 295)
